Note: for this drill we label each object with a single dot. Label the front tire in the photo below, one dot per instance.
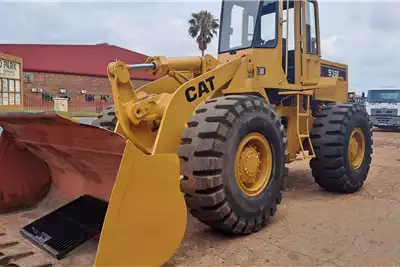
(224, 188)
(342, 140)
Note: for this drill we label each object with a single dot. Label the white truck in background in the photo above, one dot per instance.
(383, 107)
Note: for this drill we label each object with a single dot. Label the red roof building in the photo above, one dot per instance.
(76, 72)
(89, 60)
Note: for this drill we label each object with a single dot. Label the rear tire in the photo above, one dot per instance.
(334, 169)
(107, 119)
(209, 163)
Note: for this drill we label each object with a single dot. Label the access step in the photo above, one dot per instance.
(68, 227)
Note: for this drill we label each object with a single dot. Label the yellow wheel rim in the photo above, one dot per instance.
(356, 149)
(253, 164)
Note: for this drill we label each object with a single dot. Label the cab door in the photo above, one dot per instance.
(310, 43)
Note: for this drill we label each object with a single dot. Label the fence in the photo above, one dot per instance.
(35, 103)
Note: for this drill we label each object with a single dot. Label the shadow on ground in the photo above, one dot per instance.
(203, 246)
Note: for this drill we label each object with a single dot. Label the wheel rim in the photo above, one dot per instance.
(356, 149)
(253, 164)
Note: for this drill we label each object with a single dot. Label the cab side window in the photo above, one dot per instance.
(311, 28)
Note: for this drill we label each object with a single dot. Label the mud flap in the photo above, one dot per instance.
(146, 217)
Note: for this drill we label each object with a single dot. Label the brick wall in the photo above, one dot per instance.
(73, 84)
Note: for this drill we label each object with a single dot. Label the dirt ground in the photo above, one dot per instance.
(313, 227)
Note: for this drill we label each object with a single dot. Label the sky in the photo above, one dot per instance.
(365, 35)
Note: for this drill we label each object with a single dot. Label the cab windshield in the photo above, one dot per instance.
(238, 23)
(383, 96)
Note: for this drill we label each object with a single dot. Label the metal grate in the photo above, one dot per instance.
(68, 227)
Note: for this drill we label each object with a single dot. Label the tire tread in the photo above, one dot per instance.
(328, 140)
(203, 141)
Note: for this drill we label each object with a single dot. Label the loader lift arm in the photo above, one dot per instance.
(140, 113)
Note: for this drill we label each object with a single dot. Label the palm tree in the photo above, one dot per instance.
(203, 25)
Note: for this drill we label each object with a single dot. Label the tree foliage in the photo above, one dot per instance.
(203, 26)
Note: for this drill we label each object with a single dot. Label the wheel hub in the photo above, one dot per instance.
(249, 164)
(253, 165)
(356, 148)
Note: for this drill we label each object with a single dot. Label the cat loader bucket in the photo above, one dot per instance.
(44, 154)
(146, 218)
(43, 151)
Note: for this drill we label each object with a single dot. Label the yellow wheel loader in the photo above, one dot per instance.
(212, 136)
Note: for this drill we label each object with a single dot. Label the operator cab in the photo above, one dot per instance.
(257, 25)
